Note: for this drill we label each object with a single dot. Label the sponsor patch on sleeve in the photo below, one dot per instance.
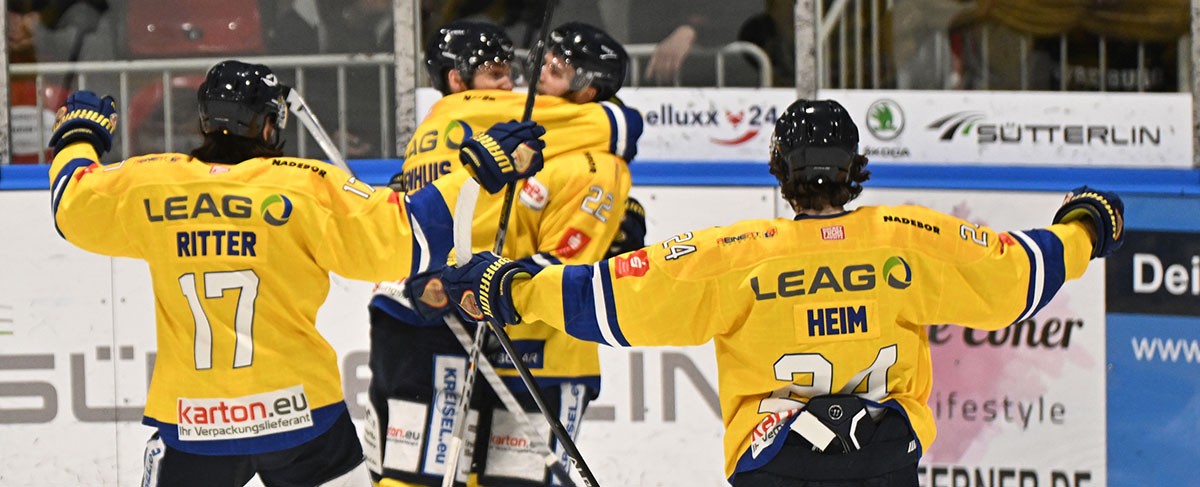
(573, 241)
(635, 264)
(534, 194)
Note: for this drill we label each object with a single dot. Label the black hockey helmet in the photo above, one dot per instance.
(816, 141)
(237, 98)
(598, 59)
(465, 46)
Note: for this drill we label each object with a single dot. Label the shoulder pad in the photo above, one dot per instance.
(626, 126)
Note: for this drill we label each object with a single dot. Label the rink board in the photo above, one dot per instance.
(1035, 406)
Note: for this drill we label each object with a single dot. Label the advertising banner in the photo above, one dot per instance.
(1023, 405)
(1132, 130)
(1153, 298)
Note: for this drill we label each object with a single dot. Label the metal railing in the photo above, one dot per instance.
(851, 54)
(296, 66)
(163, 72)
(638, 52)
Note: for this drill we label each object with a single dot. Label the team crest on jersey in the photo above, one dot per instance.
(534, 195)
(276, 209)
(635, 264)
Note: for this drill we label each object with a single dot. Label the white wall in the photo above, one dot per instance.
(60, 306)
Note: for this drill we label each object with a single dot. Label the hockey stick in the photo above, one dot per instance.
(300, 110)
(510, 403)
(462, 245)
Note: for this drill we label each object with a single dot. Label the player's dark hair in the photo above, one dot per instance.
(813, 195)
(232, 149)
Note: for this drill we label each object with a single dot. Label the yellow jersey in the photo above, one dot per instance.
(433, 150)
(239, 258)
(815, 306)
(567, 213)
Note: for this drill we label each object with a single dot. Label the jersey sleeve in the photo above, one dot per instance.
(583, 214)
(665, 294)
(991, 279)
(602, 127)
(85, 202)
(378, 234)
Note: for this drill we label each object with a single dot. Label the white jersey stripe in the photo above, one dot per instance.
(601, 310)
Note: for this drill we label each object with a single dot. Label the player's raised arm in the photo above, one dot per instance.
(634, 299)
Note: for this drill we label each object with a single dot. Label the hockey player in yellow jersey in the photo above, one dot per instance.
(240, 241)
(818, 322)
(571, 212)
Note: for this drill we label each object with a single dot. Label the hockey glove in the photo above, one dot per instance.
(427, 294)
(1104, 210)
(85, 117)
(507, 152)
(482, 288)
(632, 235)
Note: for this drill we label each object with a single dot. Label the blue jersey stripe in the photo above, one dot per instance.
(59, 186)
(428, 210)
(1034, 271)
(579, 304)
(1054, 271)
(610, 305)
(1047, 271)
(633, 132)
(613, 134)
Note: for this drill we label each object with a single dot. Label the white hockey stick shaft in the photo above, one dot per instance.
(299, 109)
(535, 439)
(464, 215)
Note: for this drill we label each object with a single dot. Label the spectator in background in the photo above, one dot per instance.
(297, 27)
(675, 27)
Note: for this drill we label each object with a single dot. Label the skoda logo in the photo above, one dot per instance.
(276, 209)
(899, 275)
(885, 120)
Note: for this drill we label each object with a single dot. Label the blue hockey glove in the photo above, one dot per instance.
(427, 294)
(482, 288)
(85, 117)
(632, 235)
(507, 152)
(1104, 210)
